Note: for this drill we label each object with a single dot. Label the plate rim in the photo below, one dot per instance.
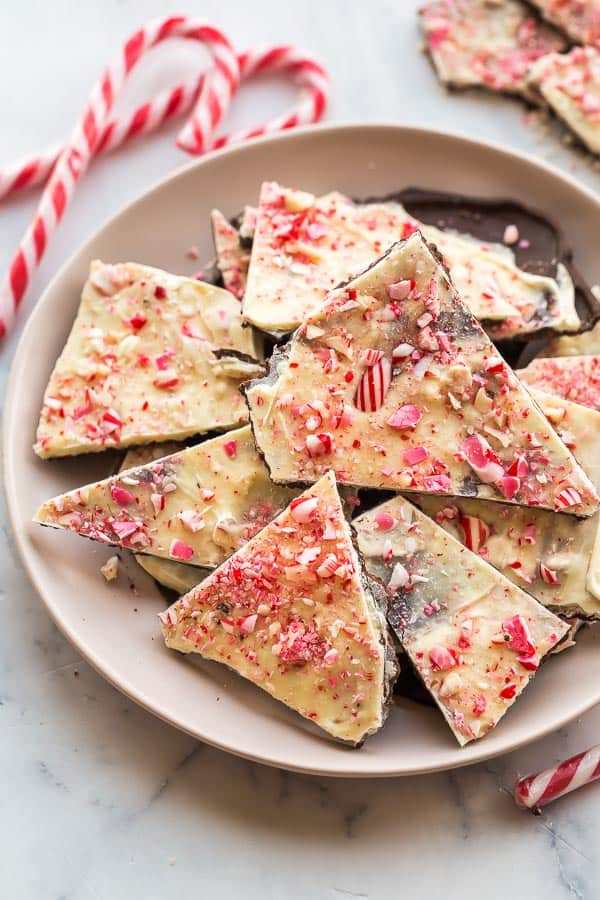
(20, 535)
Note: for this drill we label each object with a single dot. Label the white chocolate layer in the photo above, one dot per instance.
(141, 363)
(291, 613)
(394, 385)
(580, 19)
(475, 639)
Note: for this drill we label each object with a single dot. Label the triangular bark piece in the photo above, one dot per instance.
(575, 378)
(475, 638)
(394, 385)
(151, 356)
(196, 506)
(555, 558)
(292, 612)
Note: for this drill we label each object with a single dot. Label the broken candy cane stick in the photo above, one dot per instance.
(96, 132)
(535, 791)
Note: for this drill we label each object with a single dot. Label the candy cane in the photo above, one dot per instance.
(208, 98)
(535, 791)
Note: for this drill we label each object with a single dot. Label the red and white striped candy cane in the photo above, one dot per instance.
(535, 791)
(169, 104)
(209, 98)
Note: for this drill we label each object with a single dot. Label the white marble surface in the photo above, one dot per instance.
(99, 799)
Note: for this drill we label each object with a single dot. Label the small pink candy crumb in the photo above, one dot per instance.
(517, 632)
(400, 290)
(406, 416)
(303, 509)
(511, 234)
(181, 550)
(384, 521)
(230, 448)
(120, 495)
(248, 624)
(415, 455)
(441, 659)
(331, 657)
(509, 485)
(191, 520)
(438, 484)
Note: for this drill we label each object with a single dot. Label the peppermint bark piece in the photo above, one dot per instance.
(552, 557)
(580, 19)
(570, 84)
(232, 258)
(151, 357)
(575, 378)
(475, 638)
(478, 43)
(196, 506)
(306, 245)
(292, 612)
(394, 385)
(585, 344)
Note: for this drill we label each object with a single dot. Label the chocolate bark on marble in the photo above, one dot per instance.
(304, 250)
(555, 558)
(570, 85)
(196, 506)
(151, 357)
(293, 612)
(575, 378)
(580, 19)
(393, 384)
(475, 638)
(232, 258)
(477, 43)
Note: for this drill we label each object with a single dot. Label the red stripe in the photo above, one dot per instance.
(105, 137)
(214, 108)
(133, 49)
(139, 120)
(89, 128)
(562, 777)
(2, 329)
(210, 34)
(318, 104)
(39, 238)
(107, 91)
(307, 65)
(18, 277)
(59, 199)
(229, 75)
(290, 122)
(174, 103)
(271, 58)
(25, 175)
(169, 25)
(254, 132)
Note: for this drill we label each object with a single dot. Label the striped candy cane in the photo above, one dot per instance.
(208, 98)
(535, 791)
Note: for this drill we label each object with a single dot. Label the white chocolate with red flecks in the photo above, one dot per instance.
(141, 363)
(196, 506)
(580, 19)
(176, 576)
(585, 344)
(575, 378)
(486, 44)
(440, 412)
(570, 85)
(550, 556)
(475, 638)
(292, 612)
(304, 247)
(232, 258)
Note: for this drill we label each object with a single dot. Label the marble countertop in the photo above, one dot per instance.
(100, 799)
